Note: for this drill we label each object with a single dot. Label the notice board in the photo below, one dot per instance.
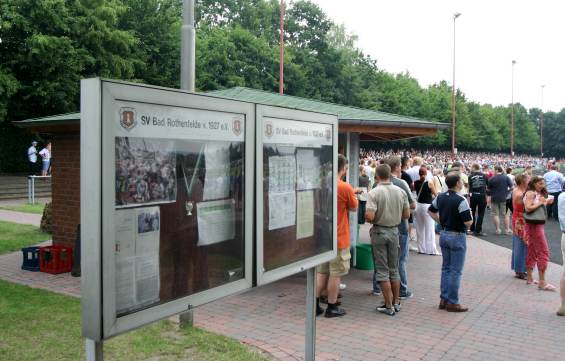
(167, 202)
(296, 203)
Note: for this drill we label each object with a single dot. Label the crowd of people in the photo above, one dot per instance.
(412, 197)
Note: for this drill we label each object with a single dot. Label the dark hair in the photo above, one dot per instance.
(476, 167)
(383, 171)
(508, 170)
(499, 169)
(423, 172)
(404, 161)
(452, 179)
(532, 185)
(341, 162)
(393, 162)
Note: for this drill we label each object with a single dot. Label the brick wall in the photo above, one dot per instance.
(66, 188)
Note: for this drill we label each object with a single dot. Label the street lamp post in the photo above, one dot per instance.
(512, 114)
(453, 149)
(541, 123)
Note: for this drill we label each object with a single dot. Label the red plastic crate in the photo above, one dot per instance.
(55, 259)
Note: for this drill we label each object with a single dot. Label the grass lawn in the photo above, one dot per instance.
(41, 325)
(36, 208)
(14, 236)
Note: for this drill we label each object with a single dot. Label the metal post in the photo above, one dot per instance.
(453, 108)
(32, 190)
(188, 80)
(541, 122)
(281, 49)
(188, 47)
(93, 350)
(310, 353)
(512, 116)
(29, 189)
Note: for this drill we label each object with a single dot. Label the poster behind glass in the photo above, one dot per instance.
(297, 191)
(179, 217)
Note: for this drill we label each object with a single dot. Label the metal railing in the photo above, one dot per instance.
(31, 186)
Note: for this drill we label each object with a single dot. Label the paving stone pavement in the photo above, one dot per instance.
(508, 320)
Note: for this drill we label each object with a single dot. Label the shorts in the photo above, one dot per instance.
(45, 165)
(498, 208)
(337, 267)
(386, 247)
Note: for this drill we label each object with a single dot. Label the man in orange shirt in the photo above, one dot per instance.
(329, 274)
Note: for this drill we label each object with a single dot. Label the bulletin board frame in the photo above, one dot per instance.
(265, 114)
(98, 291)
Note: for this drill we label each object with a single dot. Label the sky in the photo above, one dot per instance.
(417, 36)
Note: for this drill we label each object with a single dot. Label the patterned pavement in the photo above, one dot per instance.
(508, 320)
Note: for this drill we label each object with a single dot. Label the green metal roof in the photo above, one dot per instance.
(343, 112)
(61, 119)
(346, 114)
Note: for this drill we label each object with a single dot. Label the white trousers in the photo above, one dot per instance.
(425, 230)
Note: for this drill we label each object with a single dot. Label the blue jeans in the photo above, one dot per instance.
(453, 247)
(402, 259)
(519, 251)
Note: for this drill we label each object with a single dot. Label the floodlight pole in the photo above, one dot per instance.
(455, 16)
(188, 47)
(310, 339)
(541, 123)
(281, 49)
(512, 114)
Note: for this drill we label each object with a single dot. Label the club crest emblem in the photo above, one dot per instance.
(236, 126)
(127, 118)
(268, 129)
(328, 133)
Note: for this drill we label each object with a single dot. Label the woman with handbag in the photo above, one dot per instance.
(535, 203)
(519, 245)
(425, 225)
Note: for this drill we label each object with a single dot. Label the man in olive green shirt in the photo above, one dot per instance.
(387, 205)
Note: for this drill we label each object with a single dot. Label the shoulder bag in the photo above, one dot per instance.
(537, 216)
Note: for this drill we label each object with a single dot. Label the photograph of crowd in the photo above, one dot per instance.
(145, 171)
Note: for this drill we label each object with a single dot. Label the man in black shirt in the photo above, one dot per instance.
(478, 196)
(452, 211)
(498, 187)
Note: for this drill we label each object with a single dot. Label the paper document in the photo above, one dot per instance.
(307, 170)
(217, 179)
(216, 221)
(282, 173)
(282, 210)
(305, 214)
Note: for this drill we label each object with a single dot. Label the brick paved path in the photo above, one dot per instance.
(508, 320)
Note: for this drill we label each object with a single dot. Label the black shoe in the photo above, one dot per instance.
(319, 311)
(324, 299)
(334, 312)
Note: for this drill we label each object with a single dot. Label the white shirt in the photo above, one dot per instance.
(32, 154)
(414, 172)
(45, 154)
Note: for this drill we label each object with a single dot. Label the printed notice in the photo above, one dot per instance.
(305, 214)
(282, 173)
(137, 258)
(282, 210)
(217, 180)
(307, 170)
(216, 221)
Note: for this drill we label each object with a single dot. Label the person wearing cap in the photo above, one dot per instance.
(32, 158)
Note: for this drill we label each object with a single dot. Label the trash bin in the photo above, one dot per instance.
(364, 256)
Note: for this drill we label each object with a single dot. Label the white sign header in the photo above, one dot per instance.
(308, 134)
(159, 121)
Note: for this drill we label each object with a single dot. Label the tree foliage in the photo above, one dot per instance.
(47, 46)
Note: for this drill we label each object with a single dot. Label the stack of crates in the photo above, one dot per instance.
(55, 259)
(31, 259)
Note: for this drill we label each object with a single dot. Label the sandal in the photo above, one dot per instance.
(520, 276)
(547, 287)
(532, 282)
